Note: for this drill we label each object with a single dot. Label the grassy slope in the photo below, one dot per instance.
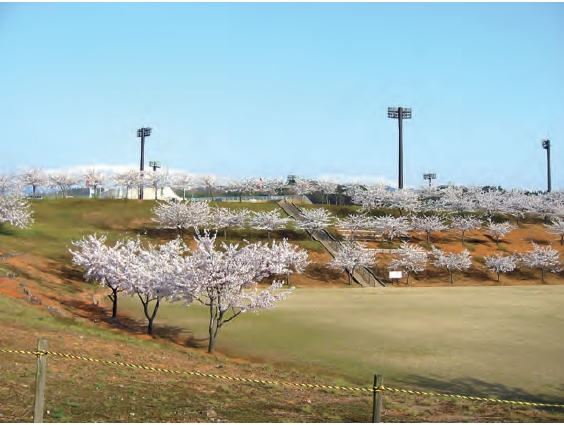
(315, 333)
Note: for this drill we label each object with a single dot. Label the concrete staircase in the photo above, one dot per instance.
(362, 275)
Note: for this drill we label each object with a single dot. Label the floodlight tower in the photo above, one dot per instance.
(429, 176)
(546, 145)
(142, 133)
(155, 165)
(400, 114)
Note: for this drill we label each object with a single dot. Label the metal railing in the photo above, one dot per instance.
(362, 275)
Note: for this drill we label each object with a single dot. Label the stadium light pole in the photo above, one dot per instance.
(546, 145)
(400, 114)
(429, 176)
(142, 133)
(154, 165)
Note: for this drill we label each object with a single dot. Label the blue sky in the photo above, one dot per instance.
(271, 89)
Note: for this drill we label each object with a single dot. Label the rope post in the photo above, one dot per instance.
(39, 403)
(377, 399)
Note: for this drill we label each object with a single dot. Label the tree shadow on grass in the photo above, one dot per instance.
(5, 231)
(97, 313)
(322, 272)
(469, 386)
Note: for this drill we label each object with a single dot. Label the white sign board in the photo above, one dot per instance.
(395, 275)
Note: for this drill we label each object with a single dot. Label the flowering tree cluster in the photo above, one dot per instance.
(499, 230)
(451, 260)
(225, 280)
(543, 258)
(314, 219)
(498, 263)
(409, 258)
(427, 224)
(350, 256)
(268, 220)
(15, 210)
(557, 228)
(182, 215)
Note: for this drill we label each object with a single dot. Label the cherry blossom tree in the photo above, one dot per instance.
(182, 215)
(272, 186)
(226, 281)
(313, 219)
(498, 263)
(94, 180)
(152, 273)
(269, 221)
(427, 224)
(410, 258)
(248, 185)
(517, 204)
(34, 177)
(303, 187)
(350, 256)
(210, 183)
(129, 180)
(184, 182)
(452, 261)
(465, 224)
(557, 228)
(223, 218)
(63, 181)
(103, 264)
(288, 259)
(9, 184)
(353, 223)
(327, 188)
(392, 226)
(490, 201)
(454, 198)
(370, 197)
(15, 210)
(157, 180)
(405, 200)
(544, 258)
(499, 230)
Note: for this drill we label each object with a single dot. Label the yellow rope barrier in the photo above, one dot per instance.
(289, 384)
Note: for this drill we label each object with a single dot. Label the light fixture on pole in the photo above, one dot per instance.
(142, 133)
(429, 176)
(546, 145)
(154, 165)
(400, 114)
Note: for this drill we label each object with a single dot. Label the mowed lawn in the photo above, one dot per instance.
(501, 341)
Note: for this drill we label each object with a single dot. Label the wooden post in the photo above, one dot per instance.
(39, 403)
(377, 399)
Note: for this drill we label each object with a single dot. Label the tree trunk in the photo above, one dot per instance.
(212, 331)
(450, 271)
(542, 275)
(498, 273)
(428, 237)
(113, 298)
(150, 316)
(407, 274)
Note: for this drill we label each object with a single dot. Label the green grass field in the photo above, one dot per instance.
(505, 342)
(502, 341)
